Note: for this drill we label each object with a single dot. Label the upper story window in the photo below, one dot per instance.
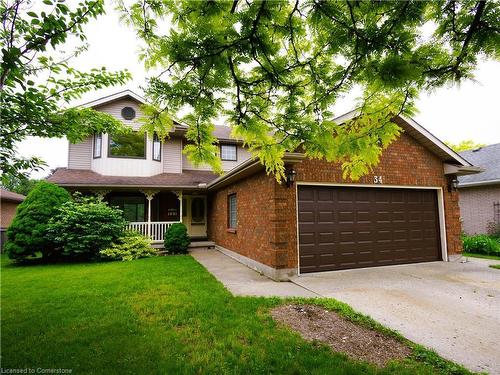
(232, 220)
(156, 148)
(128, 113)
(97, 145)
(128, 145)
(228, 152)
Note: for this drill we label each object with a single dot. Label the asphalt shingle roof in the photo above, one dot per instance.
(7, 195)
(75, 177)
(488, 158)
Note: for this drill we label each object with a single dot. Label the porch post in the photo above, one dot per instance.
(179, 197)
(149, 194)
(180, 206)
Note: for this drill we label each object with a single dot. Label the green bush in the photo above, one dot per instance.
(177, 239)
(131, 245)
(27, 233)
(85, 226)
(481, 244)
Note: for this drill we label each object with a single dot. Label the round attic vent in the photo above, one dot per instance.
(128, 113)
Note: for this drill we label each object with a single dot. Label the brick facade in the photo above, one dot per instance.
(476, 207)
(8, 211)
(267, 221)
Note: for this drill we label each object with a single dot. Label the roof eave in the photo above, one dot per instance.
(459, 170)
(463, 185)
(417, 127)
(248, 168)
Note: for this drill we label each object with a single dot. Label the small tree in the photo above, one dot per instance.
(177, 239)
(27, 233)
(85, 226)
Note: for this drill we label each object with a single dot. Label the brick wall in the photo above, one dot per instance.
(8, 211)
(476, 207)
(267, 228)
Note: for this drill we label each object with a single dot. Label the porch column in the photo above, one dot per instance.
(179, 197)
(149, 194)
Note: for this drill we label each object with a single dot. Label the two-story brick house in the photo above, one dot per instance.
(405, 211)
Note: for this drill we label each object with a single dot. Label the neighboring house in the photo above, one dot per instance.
(8, 205)
(405, 211)
(480, 193)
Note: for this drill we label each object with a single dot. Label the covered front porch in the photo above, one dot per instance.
(152, 212)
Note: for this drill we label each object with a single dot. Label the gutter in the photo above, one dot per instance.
(142, 186)
(478, 183)
(459, 170)
(250, 166)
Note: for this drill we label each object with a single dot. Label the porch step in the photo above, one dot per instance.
(192, 245)
(202, 244)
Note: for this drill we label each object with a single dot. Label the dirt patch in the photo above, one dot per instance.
(315, 323)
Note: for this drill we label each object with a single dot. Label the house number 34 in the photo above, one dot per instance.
(377, 179)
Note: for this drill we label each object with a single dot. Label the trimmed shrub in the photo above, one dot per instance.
(131, 245)
(85, 226)
(177, 239)
(27, 233)
(481, 244)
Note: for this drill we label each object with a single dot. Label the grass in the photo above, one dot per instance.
(164, 315)
(495, 266)
(484, 256)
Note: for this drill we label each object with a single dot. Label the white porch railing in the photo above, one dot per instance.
(155, 230)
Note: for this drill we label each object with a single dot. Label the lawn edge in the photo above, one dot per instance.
(481, 256)
(420, 353)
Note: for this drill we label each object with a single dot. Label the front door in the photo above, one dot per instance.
(194, 215)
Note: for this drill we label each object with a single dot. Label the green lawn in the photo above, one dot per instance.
(496, 266)
(163, 315)
(484, 256)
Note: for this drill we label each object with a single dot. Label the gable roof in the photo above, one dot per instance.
(10, 196)
(422, 135)
(487, 157)
(221, 132)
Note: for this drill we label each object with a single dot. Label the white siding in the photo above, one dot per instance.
(172, 155)
(80, 154)
(115, 109)
(124, 166)
(242, 155)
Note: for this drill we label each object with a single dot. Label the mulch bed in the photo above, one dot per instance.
(315, 323)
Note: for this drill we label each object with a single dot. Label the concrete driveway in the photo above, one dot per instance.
(453, 308)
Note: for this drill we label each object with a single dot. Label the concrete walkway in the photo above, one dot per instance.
(243, 281)
(453, 308)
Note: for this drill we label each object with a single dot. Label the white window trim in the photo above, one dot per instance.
(235, 151)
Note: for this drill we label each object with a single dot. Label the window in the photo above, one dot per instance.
(128, 113)
(232, 220)
(198, 210)
(228, 152)
(97, 145)
(156, 148)
(128, 145)
(133, 208)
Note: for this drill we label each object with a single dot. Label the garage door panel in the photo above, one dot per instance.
(352, 227)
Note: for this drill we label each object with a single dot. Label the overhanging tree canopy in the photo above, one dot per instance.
(35, 85)
(276, 68)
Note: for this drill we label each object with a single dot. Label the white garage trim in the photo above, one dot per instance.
(440, 203)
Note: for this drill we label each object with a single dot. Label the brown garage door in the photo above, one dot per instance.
(353, 227)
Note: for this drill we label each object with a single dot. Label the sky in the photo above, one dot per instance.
(452, 114)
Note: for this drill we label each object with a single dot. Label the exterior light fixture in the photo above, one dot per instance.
(453, 184)
(290, 177)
